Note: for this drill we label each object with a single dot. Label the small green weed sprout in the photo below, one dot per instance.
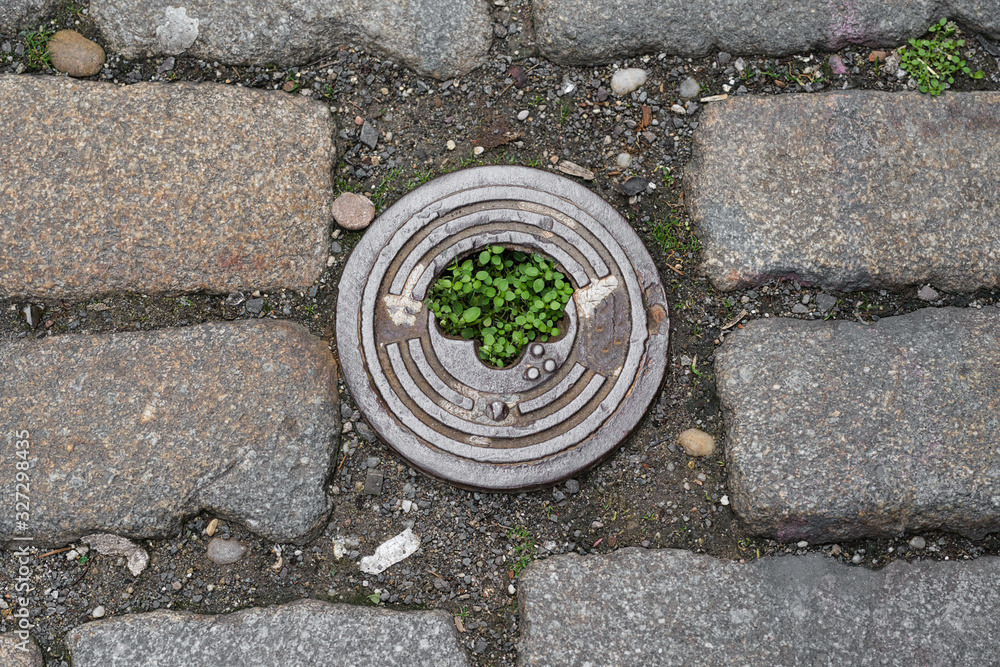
(36, 48)
(932, 62)
(675, 236)
(524, 548)
(503, 298)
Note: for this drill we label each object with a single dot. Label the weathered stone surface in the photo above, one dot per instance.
(129, 433)
(18, 652)
(837, 430)
(23, 14)
(850, 190)
(160, 188)
(441, 38)
(74, 54)
(672, 607)
(580, 32)
(307, 633)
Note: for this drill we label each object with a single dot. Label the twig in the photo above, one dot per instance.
(342, 463)
(56, 551)
(675, 270)
(732, 324)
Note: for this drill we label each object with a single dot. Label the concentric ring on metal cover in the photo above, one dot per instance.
(566, 403)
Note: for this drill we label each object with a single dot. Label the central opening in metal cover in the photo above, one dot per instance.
(505, 298)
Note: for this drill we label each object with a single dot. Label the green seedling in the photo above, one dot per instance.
(505, 299)
(933, 62)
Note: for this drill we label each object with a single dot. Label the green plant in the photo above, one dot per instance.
(502, 298)
(375, 597)
(675, 236)
(564, 111)
(524, 548)
(378, 195)
(932, 62)
(419, 177)
(36, 48)
(668, 179)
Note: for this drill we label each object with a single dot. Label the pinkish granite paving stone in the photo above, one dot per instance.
(163, 188)
(850, 190)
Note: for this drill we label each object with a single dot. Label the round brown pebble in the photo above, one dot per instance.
(696, 442)
(75, 55)
(353, 211)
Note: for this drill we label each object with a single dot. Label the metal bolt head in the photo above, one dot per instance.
(498, 411)
(532, 373)
(537, 350)
(549, 365)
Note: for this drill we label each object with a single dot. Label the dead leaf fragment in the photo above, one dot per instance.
(647, 117)
(574, 169)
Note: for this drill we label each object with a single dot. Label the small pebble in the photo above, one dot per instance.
(918, 542)
(689, 88)
(451, 145)
(523, 115)
(624, 161)
(98, 611)
(696, 442)
(802, 544)
(75, 55)
(857, 559)
(624, 81)
(213, 525)
(928, 293)
(224, 552)
(353, 211)
(724, 500)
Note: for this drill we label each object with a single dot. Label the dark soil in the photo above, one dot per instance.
(648, 494)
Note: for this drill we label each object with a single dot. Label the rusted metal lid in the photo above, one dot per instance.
(566, 403)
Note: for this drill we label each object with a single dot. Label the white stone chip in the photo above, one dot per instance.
(391, 552)
(624, 81)
(113, 545)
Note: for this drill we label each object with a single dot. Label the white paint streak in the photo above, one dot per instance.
(403, 309)
(178, 32)
(589, 298)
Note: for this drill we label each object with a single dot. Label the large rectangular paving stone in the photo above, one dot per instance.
(672, 607)
(850, 190)
(581, 32)
(839, 430)
(160, 188)
(306, 633)
(441, 38)
(18, 14)
(130, 433)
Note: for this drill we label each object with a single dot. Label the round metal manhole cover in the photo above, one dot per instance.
(564, 404)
